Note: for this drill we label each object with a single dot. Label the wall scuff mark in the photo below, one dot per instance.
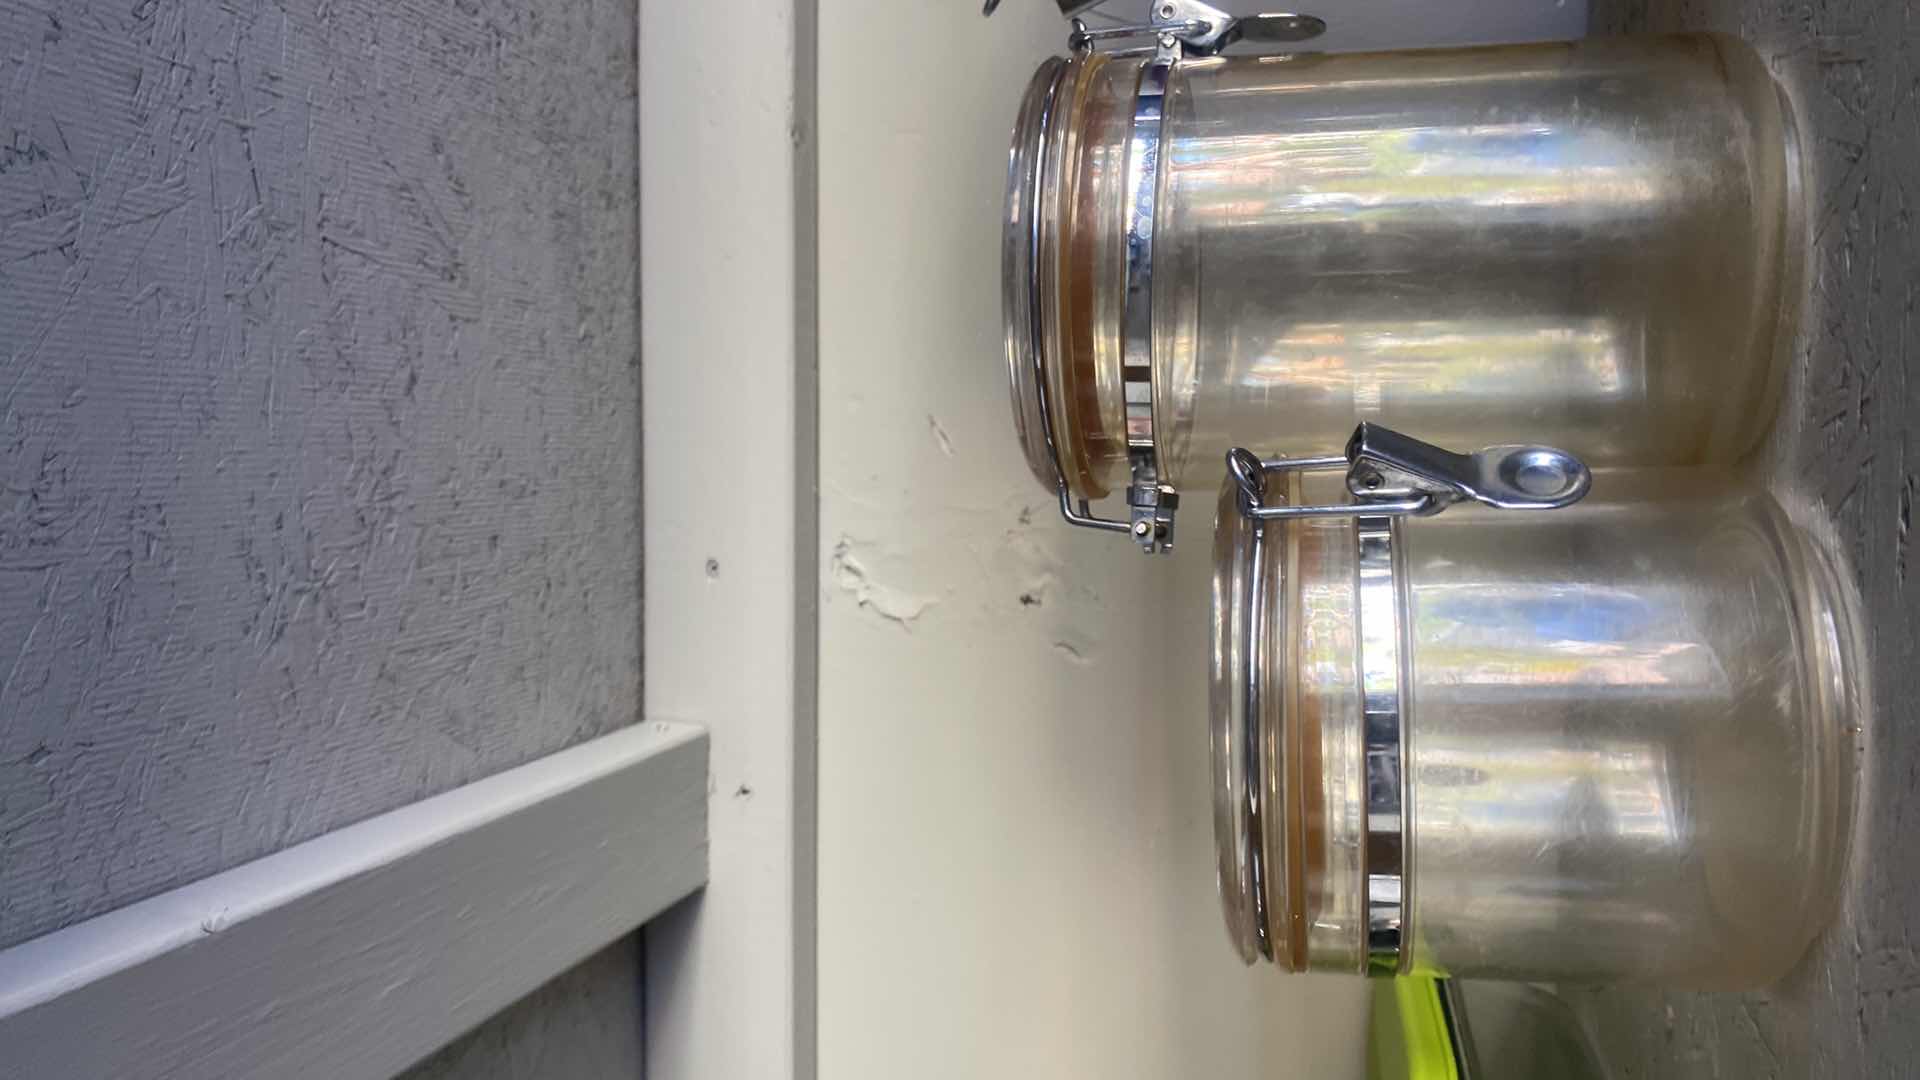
(940, 436)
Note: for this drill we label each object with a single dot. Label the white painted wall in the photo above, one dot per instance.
(1016, 869)
(1016, 872)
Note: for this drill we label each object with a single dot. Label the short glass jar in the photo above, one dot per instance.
(1597, 242)
(1610, 742)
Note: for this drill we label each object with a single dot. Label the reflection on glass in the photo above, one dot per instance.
(1580, 245)
(1625, 733)
(1584, 683)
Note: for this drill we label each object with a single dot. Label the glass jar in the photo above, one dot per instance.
(1594, 241)
(1611, 742)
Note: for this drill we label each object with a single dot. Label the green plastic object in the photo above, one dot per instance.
(1408, 1036)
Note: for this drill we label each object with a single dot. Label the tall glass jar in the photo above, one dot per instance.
(1621, 735)
(1596, 242)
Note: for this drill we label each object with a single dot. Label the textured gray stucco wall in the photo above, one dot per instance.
(581, 1026)
(1849, 439)
(319, 478)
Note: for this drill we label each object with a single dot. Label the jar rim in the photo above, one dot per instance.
(1250, 798)
(1019, 273)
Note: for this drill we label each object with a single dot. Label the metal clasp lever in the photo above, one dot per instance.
(1199, 29)
(1392, 475)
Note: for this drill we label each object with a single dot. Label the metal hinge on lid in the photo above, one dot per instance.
(1188, 26)
(1394, 475)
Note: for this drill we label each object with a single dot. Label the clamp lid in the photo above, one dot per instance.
(1073, 421)
(1388, 476)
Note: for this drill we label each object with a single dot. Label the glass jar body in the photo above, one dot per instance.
(1585, 240)
(1626, 736)
(1593, 242)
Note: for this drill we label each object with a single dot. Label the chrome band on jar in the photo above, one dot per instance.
(1381, 687)
(1150, 502)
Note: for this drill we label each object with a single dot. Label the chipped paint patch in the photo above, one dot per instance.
(895, 605)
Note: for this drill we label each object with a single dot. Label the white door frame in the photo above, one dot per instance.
(727, 223)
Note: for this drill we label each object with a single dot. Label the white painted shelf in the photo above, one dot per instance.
(360, 952)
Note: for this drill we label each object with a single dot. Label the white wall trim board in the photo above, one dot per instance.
(726, 401)
(806, 539)
(360, 952)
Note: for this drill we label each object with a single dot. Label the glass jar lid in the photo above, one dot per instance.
(1261, 802)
